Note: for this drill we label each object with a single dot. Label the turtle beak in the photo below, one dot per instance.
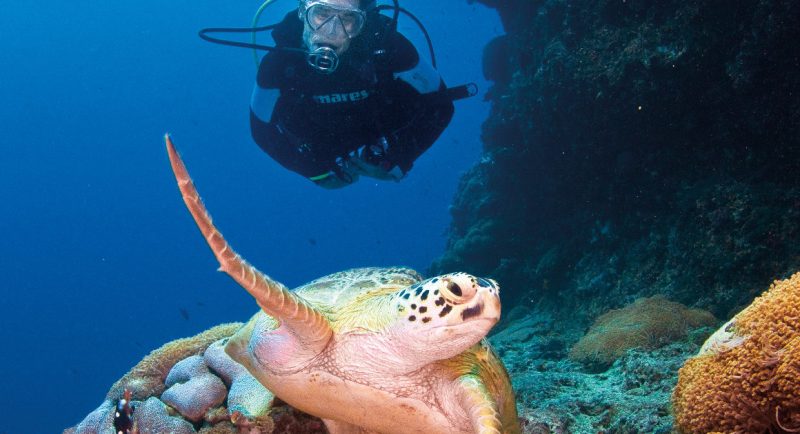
(487, 306)
(492, 307)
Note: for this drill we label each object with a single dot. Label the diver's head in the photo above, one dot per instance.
(329, 26)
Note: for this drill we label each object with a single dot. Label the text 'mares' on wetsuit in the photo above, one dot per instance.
(383, 93)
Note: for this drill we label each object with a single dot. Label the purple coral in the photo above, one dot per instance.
(151, 417)
(193, 390)
(246, 394)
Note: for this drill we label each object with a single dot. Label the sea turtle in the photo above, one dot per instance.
(370, 350)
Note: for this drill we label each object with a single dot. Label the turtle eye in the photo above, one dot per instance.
(454, 288)
(457, 289)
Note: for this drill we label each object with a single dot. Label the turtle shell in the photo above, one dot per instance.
(348, 299)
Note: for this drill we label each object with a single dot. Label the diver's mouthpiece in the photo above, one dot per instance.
(324, 59)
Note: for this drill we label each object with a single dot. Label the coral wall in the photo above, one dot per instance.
(636, 148)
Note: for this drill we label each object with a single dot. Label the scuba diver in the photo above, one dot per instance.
(343, 94)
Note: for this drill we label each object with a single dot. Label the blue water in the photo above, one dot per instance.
(101, 263)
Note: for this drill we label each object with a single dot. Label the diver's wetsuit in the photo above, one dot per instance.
(318, 118)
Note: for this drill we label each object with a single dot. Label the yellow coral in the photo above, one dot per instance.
(747, 377)
(647, 323)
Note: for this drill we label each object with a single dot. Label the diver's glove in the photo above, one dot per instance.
(375, 153)
(374, 160)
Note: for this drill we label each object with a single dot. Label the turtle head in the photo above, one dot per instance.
(446, 315)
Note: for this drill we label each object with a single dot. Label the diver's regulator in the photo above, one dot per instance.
(324, 59)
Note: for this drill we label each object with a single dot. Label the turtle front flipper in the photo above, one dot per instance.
(479, 406)
(306, 323)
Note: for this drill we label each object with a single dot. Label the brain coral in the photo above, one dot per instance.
(147, 377)
(647, 323)
(746, 378)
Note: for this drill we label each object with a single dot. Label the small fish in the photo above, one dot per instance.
(312, 241)
(123, 416)
(185, 314)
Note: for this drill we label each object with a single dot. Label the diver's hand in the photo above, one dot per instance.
(372, 160)
(384, 171)
(374, 153)
(343, 174)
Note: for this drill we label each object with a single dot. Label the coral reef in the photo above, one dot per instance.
(633, 149)
(152, 417)
(648, 323)
(148, 377)
(556, 395)
(746, 376)
(102, 416)
(191, 385)
(245, 394)
(192, 389)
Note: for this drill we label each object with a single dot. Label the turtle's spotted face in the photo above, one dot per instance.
(448, 314)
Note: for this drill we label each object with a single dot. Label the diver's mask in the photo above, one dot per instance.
(334, 22)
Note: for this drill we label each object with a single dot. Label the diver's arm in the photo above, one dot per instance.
(431, 114)
(419, 110)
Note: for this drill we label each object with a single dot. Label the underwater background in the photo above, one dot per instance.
(102, 262)
(630, 174)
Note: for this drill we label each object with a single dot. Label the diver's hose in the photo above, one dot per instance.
(204, 34)
(419, 24)
(254, 25)
(396, 15)
(392, 26)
